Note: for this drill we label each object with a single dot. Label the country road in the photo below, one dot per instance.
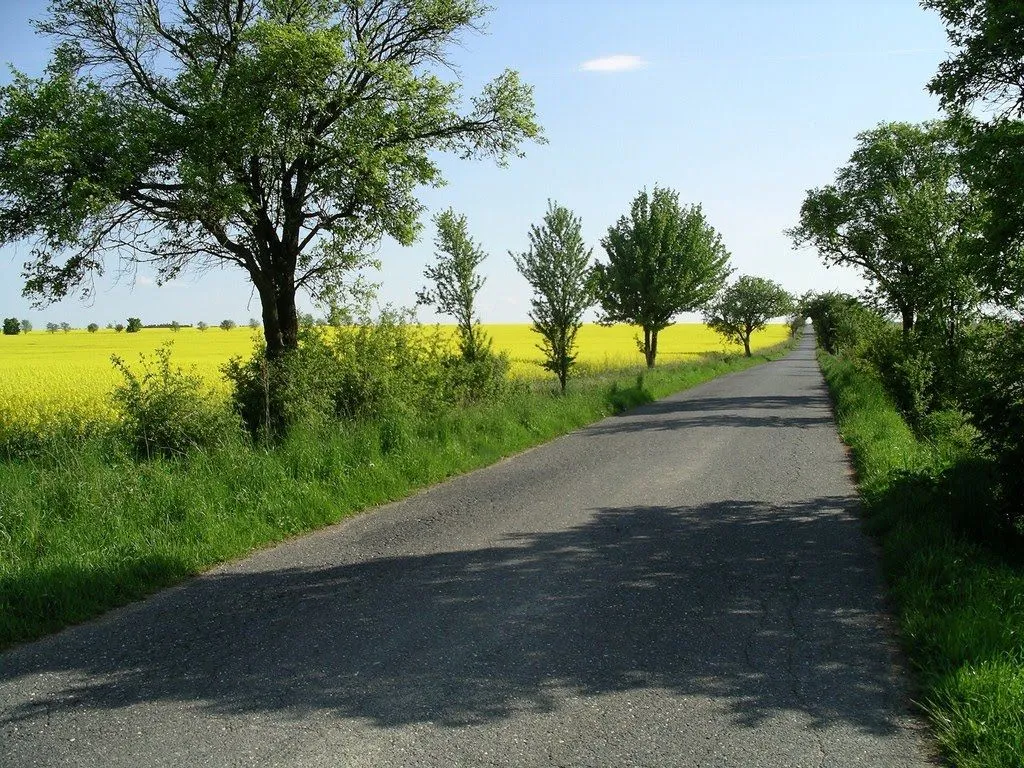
(683, 585)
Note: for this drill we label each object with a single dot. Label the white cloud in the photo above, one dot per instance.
(620, 62)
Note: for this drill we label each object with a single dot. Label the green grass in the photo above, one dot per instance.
(84, 528)
(960, 603)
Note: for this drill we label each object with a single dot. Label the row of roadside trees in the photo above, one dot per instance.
(932, 216)
(663, 259)
(284, 141)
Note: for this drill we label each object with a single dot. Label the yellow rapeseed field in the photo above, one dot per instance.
(45, 377)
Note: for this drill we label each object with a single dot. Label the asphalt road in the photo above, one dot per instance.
(684, 585)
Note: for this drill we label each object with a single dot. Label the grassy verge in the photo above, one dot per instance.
(960, 604)
(83, 528)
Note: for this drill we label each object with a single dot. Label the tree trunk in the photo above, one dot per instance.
(746, 345)
(280, 320)
(908, 320)
(650, 346)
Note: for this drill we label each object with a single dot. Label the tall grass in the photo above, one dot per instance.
(960, 603)
(85, 526)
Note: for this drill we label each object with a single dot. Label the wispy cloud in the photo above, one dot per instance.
(620, 62)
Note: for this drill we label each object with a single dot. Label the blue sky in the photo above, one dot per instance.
(740, 105)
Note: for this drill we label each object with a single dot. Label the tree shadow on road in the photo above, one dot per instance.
(672, 414)
(761, 610)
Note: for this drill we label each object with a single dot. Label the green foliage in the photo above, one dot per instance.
(455, 282)
(92, 327)
(957, 600)
(11, 326)
(201, 326)
(52, 327)
(227, 325)
(283, 139)
(167, 412)
(134, 325)
(663, 259)
(66, 327)
(900, 214)
(746, 306)
(384, 370)
(557, 267)
(175, 326)
(118, 327)
(26, 326)
(983, 77)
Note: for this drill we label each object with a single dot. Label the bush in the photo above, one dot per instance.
(997, 402)
(905, 369)
(227, 325)
(134, 325)
(11, 326)
(92, 327)
(374, 371)
(168, 412)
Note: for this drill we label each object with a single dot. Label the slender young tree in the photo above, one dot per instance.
(746, 306)
(282, 138)
(455, 282)
(663, 259)
(557, 267)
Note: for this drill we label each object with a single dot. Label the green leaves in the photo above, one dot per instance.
(746, 306)
(901, 213)
(282, 137)
(557, 267)
(663, 259)
(456, 282)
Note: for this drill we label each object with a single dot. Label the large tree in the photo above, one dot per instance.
(557, 267)
(900, 212)
(663, 259)
(982, 85)
(746, 306)
(280, 137)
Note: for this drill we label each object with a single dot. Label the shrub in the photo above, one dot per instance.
(11, 326)
(227, 325)
(134, 325)
(905, 369)
(119, 327)
(92, 327)
(384, 370)
(166, 411)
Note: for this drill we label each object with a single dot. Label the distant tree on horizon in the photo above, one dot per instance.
(746, 306)
(134, 325)
(92, 327)
(11, 326)
(26, 326)
(227, 325)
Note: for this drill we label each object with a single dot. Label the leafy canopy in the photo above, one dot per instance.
(557, 267)
(900, 212)
(284, 137)
(663, 259)
(746, 306)
(455, 281)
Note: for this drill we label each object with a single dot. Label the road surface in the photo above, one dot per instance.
(683, 585)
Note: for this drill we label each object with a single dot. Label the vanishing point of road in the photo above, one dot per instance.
(683, 585)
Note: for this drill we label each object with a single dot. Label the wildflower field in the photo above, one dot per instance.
(51, 376)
